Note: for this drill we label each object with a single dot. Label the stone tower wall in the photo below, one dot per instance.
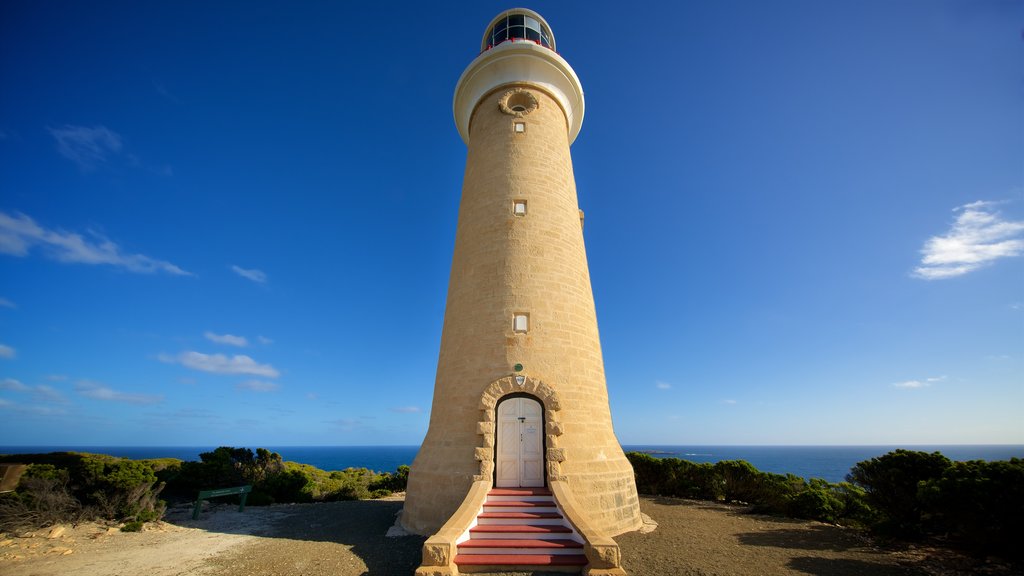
(534, 264)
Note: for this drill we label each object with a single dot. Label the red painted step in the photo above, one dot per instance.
(520, 515)
(521, 560)
(521, 528)
(519, 492)
(520, 504)
(520, 544)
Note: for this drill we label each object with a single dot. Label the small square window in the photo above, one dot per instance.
(519, 127)
(521, 323)
(519, 207)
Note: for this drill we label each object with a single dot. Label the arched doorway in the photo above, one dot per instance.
(520, 443)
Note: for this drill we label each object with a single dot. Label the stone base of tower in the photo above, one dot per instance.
(488, 533)
(584, 456)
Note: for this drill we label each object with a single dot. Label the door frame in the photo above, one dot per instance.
(543, 436)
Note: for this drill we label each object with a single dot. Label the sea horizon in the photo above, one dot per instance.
(831, 462)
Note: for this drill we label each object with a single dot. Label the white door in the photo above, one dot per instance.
(520, 462)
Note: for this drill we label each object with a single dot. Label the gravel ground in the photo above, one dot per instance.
(347, 539)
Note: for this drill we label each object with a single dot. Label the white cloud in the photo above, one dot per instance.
(7, 352)
(919, 383)
(662, 385)
(346, 424)
(252, 274)
(978, 237)
(258, 386)
(407, 409)
(228, 339)
(5, 303)
(221, 364)
(729, 401)
(12, 384)
(45, 393)
(97, 391)
(87, 147)
(41, 393)
(265, 341)
(20, 233)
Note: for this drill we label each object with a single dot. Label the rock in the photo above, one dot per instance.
(6, 543)
(648, 524)
(57, 531)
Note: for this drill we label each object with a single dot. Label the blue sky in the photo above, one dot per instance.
(232, 222)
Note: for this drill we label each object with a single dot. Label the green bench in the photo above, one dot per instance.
(204, 494)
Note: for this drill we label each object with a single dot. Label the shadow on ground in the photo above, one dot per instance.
(847, 567)
(818, 537)
(338, 538)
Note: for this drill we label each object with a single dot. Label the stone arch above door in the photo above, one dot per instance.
(552, 403)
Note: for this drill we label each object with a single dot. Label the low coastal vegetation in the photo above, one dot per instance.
(68, 487)
(909, 495)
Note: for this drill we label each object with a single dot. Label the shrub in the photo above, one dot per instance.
(69, 486)
(39, 501)
(133, 526)
(978, 504)
(891, 484)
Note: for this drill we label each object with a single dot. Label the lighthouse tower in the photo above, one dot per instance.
(520, 403)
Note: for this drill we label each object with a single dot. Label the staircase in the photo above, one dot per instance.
(520, 529)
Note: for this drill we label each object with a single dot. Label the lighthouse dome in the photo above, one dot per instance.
(518, 24)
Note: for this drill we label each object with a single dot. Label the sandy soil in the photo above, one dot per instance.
(347, 539)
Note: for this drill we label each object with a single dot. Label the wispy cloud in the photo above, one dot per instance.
(39, 393)
(7, 352)
(265, 341)
(14, 385)
(919, 383)
(221, 364)
(662, 385)
(19, 234)
(258, 386)
(346, 424)
(977, 238)
(229, 339)
(729, 401)
(97, 391)
(257, 276)
(5, 303)
(407, 409)
(85, 146)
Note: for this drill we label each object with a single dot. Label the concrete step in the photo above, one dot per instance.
(520, 546)
(520, 532)
(519, 506)
(520, 498)
(512, 562)
(512, 518)
(519, 492)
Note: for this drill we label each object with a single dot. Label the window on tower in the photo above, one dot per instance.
(519, 27)
(521, 323)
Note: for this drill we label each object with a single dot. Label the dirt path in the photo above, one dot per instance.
(347, 539)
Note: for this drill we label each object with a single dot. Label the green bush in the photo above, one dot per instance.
(70, 486)
(674, 477)
(979, 505)
(891, 484)
(132, 526)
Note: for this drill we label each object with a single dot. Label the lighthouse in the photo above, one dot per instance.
(520, 444)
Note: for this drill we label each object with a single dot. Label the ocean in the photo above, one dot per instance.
(831, 463)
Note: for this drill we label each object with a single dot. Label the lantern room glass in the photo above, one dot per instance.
(519, 27)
